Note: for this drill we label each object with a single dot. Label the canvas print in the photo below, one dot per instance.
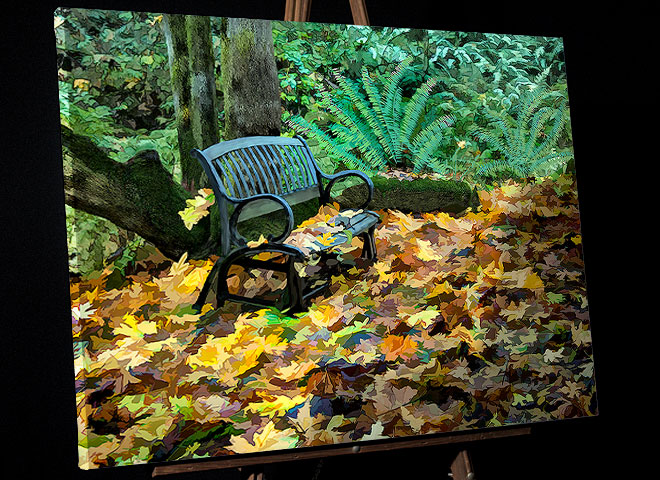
(286, 235)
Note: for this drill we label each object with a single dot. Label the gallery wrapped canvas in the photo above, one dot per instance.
(436, 287)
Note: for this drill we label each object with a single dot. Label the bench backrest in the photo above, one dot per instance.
(244, 167)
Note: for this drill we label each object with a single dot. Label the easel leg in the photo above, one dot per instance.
(461, 467)
(255, 472)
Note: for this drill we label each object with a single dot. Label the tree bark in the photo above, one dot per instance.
(192, 72)
(249, 79)
(138, 195)
(202, 81)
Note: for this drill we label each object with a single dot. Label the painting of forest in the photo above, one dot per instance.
(473, 313)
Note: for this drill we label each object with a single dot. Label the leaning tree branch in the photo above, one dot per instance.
(138, 195)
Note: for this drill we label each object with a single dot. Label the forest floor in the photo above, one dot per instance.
(460, 323)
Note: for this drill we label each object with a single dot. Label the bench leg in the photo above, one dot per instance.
(369, 249)
(197, 306)
(221, 292)
(295, 287)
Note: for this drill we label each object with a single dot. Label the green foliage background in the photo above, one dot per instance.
(114, 87)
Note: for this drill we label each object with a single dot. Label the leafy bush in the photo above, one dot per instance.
(377, 129)
(94, 242)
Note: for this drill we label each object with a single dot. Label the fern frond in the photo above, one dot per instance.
(530, 102)
(519, 140)
(360, 103)
(348, 118)
(302, 126)
(483, 136)
(415, 107)
(372, 152)
(375, 97)
(537, 125)
(428, 140)
(560, 118)
(391, 104)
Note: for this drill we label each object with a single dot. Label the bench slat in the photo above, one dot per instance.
(239, 181)
(215, 151)
(261, 174)
(225, 177)
(275, 183)
(293, 174)
(253, 168)
(299, 162)
(308, 166)
(282, 169)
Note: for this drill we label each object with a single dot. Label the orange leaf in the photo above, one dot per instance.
(395, 346)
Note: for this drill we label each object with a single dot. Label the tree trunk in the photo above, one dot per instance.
(138, 195)
(192, 69)
(249, 79)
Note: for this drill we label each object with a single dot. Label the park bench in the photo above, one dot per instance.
(255, 176)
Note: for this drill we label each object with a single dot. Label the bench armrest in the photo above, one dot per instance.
(325, 198)
(233, 221)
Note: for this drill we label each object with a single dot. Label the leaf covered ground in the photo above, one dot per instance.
(460, 323)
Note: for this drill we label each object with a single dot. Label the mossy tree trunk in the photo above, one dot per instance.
(249, 78)
(138, 195)
(192, 69)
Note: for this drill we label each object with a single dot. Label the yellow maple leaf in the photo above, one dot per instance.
(275, 404)
(524, 278)
(533, 281)
(197, 207)
(494, 270)
(81, 83)
(179, 267)
(326, 239)
(248, 359)
(441, 288)
(407, 223)
(268, 439)
(294, 371)
(383, 269)
(135, 328)
(255, 243)
(510, 190)
(324, 316)
(425, 317)
(425, 252)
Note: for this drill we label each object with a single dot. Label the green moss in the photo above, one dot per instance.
(245, 42)
(419, 195)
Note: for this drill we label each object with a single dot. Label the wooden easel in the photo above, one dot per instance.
(298, 11)
(460, 467)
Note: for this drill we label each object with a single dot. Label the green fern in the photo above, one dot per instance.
(376, 128)
(528, 148)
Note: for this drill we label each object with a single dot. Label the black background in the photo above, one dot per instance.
(38, 411)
